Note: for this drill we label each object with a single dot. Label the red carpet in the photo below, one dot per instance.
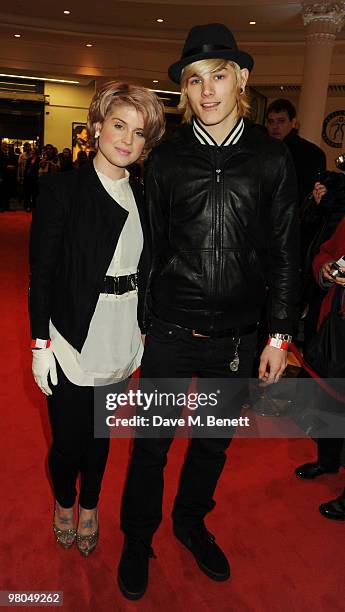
(285, 556)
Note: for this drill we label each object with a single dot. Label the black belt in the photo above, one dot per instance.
(118, 285)
(233, 332)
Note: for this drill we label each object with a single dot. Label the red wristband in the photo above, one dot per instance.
(278, 343)
(38, 343)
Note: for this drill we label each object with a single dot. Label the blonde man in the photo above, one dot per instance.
(222, 202)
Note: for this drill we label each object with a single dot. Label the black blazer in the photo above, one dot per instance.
(75, 229)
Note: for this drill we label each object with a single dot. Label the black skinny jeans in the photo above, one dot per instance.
(172, 352)
(74, 449)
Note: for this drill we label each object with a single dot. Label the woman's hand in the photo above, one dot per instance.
(340, 280)
(326, 272)
(44, 364)
(327, 277)
(318, 192)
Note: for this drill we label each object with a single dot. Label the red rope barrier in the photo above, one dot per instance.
(320, 381)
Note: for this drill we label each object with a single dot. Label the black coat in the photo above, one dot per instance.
(224, 228)
(74, 233)
(309, 161)
(318, 223)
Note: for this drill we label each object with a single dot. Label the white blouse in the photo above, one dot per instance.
(113, 347)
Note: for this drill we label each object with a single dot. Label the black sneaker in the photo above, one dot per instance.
(209, 557)
(133, 569)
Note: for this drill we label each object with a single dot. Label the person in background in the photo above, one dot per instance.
(320, 216)
(5, 178)
(89, 263)
(30, 179)
(309, 159)
(49, 161)
(81, 159)
(65, 160)
(23, 158)
(328, 449)
(12, 169)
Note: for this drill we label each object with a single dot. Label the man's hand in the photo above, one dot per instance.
(318, 192)
(273, 362)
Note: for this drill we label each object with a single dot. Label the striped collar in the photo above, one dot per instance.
(205, 138)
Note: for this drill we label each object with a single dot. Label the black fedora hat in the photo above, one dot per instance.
(210, 41)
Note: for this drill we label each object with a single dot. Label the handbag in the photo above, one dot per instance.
(326, 350)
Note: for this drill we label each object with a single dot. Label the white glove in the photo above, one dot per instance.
(43, 363)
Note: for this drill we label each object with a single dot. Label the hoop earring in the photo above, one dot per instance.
(242, 90)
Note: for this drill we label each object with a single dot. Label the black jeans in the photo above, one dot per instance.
(329, 452)
(74, 449)
(172, 352)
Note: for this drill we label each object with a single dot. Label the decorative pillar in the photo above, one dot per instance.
(323, 20)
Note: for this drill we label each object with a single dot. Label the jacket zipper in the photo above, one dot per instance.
(216, 238)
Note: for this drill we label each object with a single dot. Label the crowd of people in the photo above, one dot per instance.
(178, 285)
(20, 171)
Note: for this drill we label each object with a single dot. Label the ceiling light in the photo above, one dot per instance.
(36, 78)
(177, 93)
(67, 12)
(88, 45)
(10, 83)
(159, 20)
(17, 35)
(252, 23)
(155, 81)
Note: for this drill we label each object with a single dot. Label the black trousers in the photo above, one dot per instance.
(30, 192)
(329, 452)
(172, 352)
(74, 450)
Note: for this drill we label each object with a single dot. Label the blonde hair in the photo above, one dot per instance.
(203, 67)
(143, 100)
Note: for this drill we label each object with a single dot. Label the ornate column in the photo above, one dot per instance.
(323, 20)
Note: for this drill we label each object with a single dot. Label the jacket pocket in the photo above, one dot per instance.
(242, 281)
(185, 279)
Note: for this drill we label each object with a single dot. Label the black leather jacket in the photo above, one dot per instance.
(225, 232)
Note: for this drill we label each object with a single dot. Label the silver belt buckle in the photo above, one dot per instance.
(116, 285)
(132, 282)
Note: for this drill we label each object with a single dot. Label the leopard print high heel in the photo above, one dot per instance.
(64, 537)
(91, 539)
